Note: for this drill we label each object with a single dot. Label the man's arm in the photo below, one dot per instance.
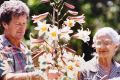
(21, 76)
(7, 74)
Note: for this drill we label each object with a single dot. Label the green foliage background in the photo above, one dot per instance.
(98, 13)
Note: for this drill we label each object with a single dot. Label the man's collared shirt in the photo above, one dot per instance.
(12, 59)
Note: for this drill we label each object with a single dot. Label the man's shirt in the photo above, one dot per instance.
(12, 59)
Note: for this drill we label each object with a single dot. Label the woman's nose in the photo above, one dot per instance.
(102, 45)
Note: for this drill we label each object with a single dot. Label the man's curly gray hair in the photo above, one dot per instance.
(110, 32)
(12, 8)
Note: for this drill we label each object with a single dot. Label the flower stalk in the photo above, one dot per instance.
(56, 35)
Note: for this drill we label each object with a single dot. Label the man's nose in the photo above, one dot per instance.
(21, 26)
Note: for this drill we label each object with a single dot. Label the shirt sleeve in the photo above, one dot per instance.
(1, 68)
(4, 66)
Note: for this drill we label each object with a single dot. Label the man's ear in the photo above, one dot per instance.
(5, 25)
(117, 46)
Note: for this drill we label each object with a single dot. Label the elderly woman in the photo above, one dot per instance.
(102, 67)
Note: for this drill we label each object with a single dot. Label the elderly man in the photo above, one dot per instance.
(13, 18)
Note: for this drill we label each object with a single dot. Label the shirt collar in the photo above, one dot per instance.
(95, 66)
(99, 72)
(5, 42)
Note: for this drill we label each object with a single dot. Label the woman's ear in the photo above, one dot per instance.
(5, 25)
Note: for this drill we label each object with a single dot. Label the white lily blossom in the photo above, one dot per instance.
(42, 27)
(69, 23)
(70, 70)
(53, 33)
(66, 30)
(65, 37)
(46, 60)
(64, 33)
(42, 62)
(83, 35)
(79, 19)
(68, 56)
(60, 62)
(78, 58)
(70, 65)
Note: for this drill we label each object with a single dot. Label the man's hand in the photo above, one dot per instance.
(54, 75)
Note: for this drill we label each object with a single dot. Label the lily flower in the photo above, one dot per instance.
(72, 12)
(54, 33)
(65, 37)
(42, 27)
(68, 55)
(83, 35)
(43, 62)
(46, 60)
(69, 5)
(70, 65)
(79, 19)
(66, 30)
(64, 33)
(39, 17)
(69, 23)
(79, 59)
(45, 1)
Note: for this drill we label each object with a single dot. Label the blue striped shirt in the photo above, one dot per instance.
(92, 71)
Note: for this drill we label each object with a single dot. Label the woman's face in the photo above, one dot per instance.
(105, 47)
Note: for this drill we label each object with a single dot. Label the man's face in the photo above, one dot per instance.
(16, 28)
(105, 47)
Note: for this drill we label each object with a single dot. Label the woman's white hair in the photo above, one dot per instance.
(110, 32)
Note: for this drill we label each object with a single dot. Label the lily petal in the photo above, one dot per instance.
(39, 17)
